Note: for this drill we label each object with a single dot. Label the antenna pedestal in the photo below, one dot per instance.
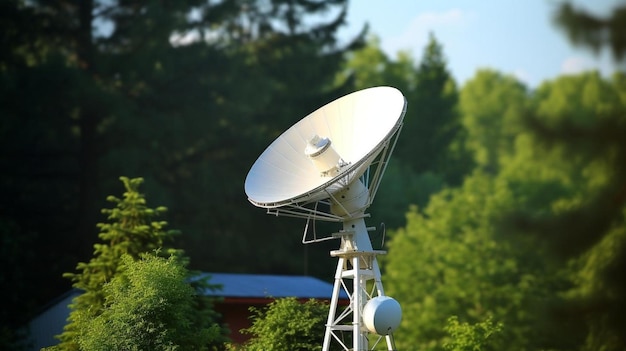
(356, 262)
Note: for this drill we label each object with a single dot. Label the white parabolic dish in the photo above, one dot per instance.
(358, 125)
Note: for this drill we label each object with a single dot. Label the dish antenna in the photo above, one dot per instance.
(328, 166)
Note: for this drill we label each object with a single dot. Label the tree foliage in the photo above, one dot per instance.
(543, 221)
(449, 260)
(585, 119)
(433, 121)
(472, 337)
(586, 228)
(148, 307)
(287, 324)
(556, 157)
(491, 106)
(132, 230)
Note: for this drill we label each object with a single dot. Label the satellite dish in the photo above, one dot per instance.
(336, 156)
(321, 153)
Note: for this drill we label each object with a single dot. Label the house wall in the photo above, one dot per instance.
(236, 316)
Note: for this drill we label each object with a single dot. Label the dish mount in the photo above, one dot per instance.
(328, 166)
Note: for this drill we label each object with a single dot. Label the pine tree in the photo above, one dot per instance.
(132, 229)
(432, 121)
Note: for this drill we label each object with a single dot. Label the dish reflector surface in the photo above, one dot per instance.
(358, 125)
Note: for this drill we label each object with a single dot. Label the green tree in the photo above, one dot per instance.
(147, 307)
(450, 260)
(132, 230)
(287, 324)
(553, 167)
(578, 124)
(473, 337)
(555, 178)
(587, 230)
(370, 66)
(492, 106)
(431, 122)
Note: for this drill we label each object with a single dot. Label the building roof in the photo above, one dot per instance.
(270, 286)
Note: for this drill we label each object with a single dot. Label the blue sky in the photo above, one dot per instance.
(514, 37)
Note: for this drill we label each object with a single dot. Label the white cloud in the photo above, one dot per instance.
(575, 64)
(415, 34)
